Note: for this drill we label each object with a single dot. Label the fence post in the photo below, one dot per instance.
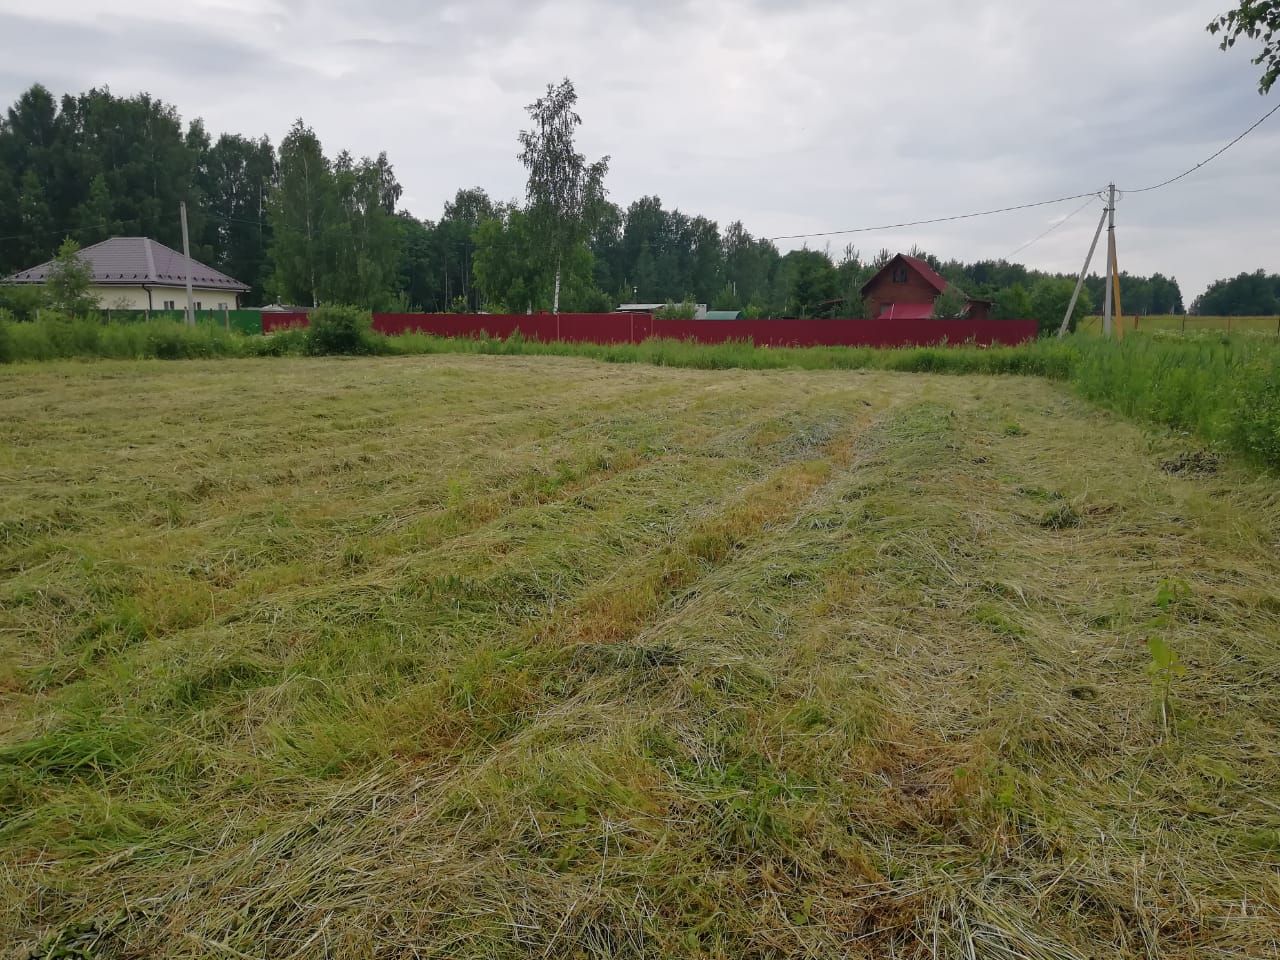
(1184, 323)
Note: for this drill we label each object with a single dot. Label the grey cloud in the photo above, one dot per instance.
(803, 116)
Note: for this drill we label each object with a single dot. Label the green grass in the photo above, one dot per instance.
(1169, 323)
(477, 656)
(1225, 390)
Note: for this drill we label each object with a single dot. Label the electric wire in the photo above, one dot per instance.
(922, 223)
(1205, 162)
(1084, 206)
(85, 227)
(824, 233)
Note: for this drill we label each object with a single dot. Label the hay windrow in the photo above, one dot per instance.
(513, 657)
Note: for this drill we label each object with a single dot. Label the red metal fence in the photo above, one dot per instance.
(637, 327)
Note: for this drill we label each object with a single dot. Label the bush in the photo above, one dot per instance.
(677, 311)
(340, 330)
(22, 300)
(289, 342)
(949, 304)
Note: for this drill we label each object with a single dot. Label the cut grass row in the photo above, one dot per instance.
(1225, 390)
(476, 657)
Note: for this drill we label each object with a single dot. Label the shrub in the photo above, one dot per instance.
(289, 342)
(340, 330)
(22, 300)
(677, 311)
(949, 304)
(70, 277)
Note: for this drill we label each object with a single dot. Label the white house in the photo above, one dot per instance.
(137, 273)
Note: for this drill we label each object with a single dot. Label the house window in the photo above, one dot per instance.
(168, 305)
(198, 307)
(222, 306)
(900, 273)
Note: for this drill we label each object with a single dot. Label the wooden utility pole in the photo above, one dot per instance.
(186, 252)
(1111, 258)
(1115, 286)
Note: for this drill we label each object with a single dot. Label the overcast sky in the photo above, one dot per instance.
(794, 117)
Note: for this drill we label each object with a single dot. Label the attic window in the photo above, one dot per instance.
(900, 273)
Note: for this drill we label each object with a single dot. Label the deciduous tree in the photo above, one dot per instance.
(1258, 20)
(302, 209)
(67, 286)
(562, 187)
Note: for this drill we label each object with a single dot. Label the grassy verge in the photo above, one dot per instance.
(1225, 390)
(457, 657)
(1169, 323)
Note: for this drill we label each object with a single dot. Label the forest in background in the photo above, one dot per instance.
(300, 226)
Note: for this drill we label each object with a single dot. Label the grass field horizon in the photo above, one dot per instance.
(480, 656)
(1188, 323)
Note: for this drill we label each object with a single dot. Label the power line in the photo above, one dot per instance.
(1028, 206)
(1187, 173)
(83, 228)
(804, 236)
(1069, 216)
(922, 223)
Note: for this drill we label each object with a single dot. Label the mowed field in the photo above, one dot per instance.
(481, 657)
(1169, 323)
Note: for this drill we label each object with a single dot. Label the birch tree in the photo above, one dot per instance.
(301, 208)
(564, 191)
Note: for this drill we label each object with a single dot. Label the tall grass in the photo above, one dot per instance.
(1225, 390)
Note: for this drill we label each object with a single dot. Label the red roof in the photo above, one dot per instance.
(906, 311)
(930, 275)
(926, 271)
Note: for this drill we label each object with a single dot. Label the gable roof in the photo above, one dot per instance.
(137, 260)
(927, 272)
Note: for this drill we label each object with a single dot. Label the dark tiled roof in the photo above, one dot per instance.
(134, 260)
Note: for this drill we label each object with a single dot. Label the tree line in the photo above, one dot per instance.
(304, 227)
(1254, 294)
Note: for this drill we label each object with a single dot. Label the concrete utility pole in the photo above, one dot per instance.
(1111, 258)
(1084, 272)
(186, 252)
